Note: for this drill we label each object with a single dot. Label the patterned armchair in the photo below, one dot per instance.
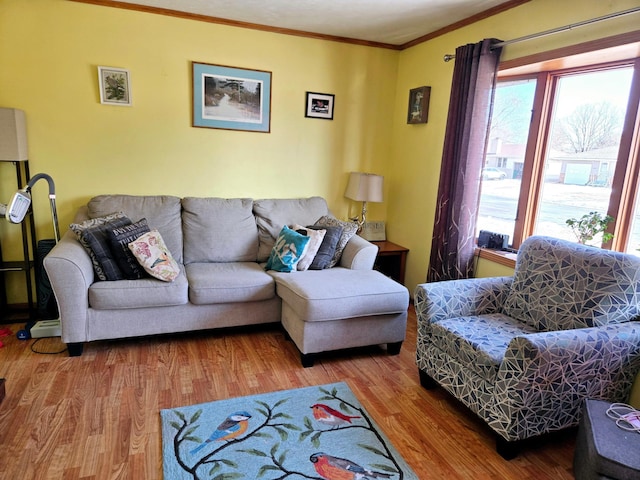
(523, 352)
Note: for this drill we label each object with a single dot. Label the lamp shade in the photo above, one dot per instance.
(13, 135)
(364, 187)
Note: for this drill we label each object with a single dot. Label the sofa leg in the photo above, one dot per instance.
(394, 348)
(75, 349)
(507, 449)
(426, 381)
(307, 359)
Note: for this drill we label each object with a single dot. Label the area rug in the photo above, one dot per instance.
(320, 433)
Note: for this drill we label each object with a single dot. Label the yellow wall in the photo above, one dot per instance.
(49, 53)
(50, 50)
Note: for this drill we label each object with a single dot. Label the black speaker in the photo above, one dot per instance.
(494, 241)
(47, 305)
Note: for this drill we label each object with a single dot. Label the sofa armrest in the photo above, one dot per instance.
(459, 298)
(545, 376)
(71, 273)
(359, 254)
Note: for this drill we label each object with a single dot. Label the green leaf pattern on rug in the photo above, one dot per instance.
(269, 434)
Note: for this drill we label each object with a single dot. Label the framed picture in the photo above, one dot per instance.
(418, 111)
(231, 98)
(319, 105)
(115, 86)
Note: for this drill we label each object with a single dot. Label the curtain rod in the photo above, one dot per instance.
(448, 57)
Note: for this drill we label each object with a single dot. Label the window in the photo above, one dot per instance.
(567, 141)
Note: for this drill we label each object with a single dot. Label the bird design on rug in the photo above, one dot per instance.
(329, 416)
(234, 425)
(335, 468)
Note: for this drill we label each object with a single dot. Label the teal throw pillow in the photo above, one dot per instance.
(287, 251)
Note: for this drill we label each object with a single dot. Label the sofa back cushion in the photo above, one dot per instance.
(273, 214)
(219, 230)
(161, 211)
(561, 285)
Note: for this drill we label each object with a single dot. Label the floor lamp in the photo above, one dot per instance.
(13, 147)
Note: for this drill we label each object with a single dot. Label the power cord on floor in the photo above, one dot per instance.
(37, 340)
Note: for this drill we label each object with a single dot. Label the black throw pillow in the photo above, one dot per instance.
(119, 239)
(97, 238)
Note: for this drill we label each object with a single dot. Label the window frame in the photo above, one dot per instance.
(625, 186)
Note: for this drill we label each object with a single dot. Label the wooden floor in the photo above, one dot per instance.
(97, 416)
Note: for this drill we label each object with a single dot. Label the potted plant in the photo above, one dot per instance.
(589, 225)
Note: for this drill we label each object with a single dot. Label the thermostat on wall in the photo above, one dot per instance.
(373, 231)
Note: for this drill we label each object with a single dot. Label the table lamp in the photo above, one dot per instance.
(364, 187)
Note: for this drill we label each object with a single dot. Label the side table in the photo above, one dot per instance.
(604, 450)
(391, 260)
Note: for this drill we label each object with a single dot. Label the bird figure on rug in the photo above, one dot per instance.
(329, 416)
(234, 425)
(335, 468)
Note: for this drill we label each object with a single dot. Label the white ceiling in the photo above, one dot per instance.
(393, 22)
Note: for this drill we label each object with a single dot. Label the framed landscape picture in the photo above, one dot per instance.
(319, 105)
(231, 98)
(115, 86)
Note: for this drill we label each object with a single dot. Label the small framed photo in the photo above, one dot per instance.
(418, 111)
(115, 86)
(231, 98)
(319, 105)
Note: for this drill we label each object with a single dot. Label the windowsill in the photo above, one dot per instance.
(507, 259)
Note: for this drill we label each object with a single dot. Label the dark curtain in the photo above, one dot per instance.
(468, 122)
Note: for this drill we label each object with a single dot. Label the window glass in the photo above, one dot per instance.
(633, 243)
(582, 149)
(503, 165)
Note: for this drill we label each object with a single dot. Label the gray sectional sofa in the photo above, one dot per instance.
(221, 246)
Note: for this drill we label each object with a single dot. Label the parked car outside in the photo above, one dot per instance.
(492, 173)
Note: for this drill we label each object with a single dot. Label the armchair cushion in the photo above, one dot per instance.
(479, 341)
(560, 285)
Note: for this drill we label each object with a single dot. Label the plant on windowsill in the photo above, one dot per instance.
(589, 225)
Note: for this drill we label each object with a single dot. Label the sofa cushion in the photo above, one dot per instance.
(219, 230)
(560, 285)
(339, 293)
(119, 239)
(232, 282)
(272, 214)
(478, 341)
(289, 248)
(146, 292)
(161, 211)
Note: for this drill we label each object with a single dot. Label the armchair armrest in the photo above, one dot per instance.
(359, 254)
(71, 273)
(545, 376)
(458, 298)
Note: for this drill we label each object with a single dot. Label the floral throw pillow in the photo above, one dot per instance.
(154, 256)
